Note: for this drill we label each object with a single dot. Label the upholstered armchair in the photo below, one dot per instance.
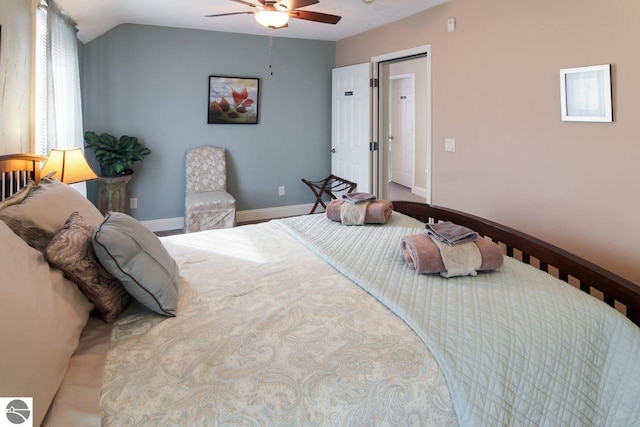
(207, 203)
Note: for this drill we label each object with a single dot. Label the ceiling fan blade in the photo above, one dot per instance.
(245, 2)
(325, 18)
(297, 4)
(229, 14)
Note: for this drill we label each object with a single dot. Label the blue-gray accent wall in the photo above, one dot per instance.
(152, 82)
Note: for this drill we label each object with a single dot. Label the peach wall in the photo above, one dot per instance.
(496, 91)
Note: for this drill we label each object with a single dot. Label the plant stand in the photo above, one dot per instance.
(113, 194)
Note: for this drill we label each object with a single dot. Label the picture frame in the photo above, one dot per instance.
(585, 94)
(233, 100)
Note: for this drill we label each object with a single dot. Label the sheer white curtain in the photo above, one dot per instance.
(60, 106)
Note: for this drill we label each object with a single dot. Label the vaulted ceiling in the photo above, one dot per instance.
(96, 17)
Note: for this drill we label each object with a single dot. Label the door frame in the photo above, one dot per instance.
(380, 174)
(412, 78)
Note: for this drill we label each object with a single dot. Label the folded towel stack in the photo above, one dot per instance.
(377, 211)
(426, 255)
(450, 233)
(358, 197)
(353, 213)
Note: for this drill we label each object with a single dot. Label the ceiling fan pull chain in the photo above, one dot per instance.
(271, 51)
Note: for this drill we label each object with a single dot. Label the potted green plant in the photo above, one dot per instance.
(116, 156)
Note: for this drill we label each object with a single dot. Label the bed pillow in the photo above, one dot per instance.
(136, 257)
(44, 211)
(43, 315)
(18, 197)
(71, 250)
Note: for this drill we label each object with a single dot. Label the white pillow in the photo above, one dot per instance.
(43, 315)
(44, 211)
(18, 197)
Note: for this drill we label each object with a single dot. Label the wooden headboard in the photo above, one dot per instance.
(16, 170)
(602, 284)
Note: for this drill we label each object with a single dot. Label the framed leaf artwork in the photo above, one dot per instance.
(233, 100)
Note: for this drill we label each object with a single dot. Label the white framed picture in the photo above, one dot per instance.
(585, 94)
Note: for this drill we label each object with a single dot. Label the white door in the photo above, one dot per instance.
(351, 125)
(401, 132)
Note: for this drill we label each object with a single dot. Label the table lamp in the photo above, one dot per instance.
(69, 165)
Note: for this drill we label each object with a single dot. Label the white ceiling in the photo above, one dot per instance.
(96, 17)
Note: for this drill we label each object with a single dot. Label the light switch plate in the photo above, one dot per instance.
(451, 25)
(450, 145)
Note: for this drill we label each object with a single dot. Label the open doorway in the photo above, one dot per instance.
(403, 125)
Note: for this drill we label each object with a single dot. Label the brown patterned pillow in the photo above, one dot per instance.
(71, 250)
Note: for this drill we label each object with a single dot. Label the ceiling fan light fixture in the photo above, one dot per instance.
(272, 18)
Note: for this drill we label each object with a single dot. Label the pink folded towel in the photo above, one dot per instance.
(422, 254)
(378, 211)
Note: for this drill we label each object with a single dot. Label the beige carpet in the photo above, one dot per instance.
(400, 192)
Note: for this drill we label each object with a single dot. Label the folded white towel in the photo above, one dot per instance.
(353, 214)
(460, 260)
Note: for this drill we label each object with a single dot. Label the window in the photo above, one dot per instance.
(57, 102)
(58, 110)
(40, 73)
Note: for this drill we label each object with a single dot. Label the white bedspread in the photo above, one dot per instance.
(266, 333)
(517, 347)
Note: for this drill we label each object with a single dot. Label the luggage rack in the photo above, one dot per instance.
(329, 185)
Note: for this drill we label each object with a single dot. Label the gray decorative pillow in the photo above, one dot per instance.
(136, 257)
(71, 250)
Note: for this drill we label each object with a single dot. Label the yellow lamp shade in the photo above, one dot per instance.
(70, 166)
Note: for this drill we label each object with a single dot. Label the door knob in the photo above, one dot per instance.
(333, 151)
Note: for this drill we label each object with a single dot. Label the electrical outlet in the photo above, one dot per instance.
(281, 190)
(133, 203)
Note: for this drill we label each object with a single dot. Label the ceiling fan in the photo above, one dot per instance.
(276, 13)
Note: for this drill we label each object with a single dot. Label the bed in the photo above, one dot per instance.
(304, 321)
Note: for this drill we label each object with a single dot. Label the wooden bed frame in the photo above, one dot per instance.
(616, 291)
(17, 169)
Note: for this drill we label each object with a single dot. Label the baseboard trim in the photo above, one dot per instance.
(164, 224)
(422, 192)
(177, 223)
(271, 213)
